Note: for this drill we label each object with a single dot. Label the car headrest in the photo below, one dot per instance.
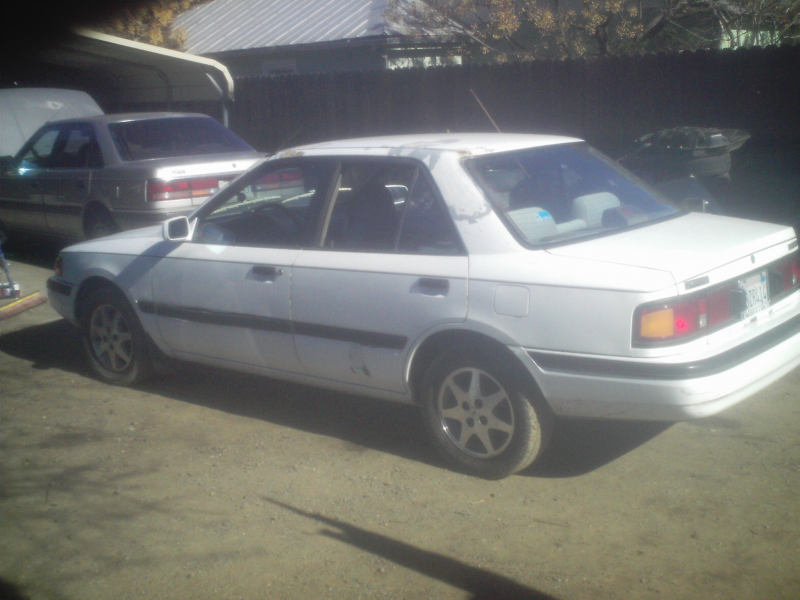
(590, 207)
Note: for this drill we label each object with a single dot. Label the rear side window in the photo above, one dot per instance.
(388, 207)
(168, 137)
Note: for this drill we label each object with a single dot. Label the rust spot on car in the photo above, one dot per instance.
(290, 154)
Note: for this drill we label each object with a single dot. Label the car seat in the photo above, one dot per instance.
(372, 219)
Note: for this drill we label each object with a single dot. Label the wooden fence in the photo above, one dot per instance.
(608, 101)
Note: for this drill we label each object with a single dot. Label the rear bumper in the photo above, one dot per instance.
(579, 386)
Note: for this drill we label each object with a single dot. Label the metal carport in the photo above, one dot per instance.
(131, 75)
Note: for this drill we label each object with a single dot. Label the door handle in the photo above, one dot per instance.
(267, 271)
(433, 286)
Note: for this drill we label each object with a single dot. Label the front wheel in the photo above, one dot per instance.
(113, 338)
(483, 417)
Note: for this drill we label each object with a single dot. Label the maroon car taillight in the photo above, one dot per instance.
(785, 277)
(181, 188)
(681, 319)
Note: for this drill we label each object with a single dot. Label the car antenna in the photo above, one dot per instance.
(287, 140)
(478, 100)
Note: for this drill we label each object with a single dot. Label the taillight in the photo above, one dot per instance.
(681, 319)
(58, 267)
(181, 189)
(671, 321)
(784, 277)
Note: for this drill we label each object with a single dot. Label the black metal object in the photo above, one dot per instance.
(690, 165)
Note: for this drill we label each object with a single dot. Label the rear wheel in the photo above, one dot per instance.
(483, 417)
(114, 340)
(98, 222)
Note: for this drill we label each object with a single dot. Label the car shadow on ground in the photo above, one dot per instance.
(482, 584)
(578, 447)
(9, 591)
(38, 252)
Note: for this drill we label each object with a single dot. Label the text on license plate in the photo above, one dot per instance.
(756, 290)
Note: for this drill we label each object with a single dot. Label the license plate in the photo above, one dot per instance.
(756, 292)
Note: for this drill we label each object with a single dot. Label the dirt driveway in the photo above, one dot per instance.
(212, 485)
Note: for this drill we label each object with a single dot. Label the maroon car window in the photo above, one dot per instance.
(168, 137)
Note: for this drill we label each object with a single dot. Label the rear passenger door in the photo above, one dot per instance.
(388, 267)
(68, 180)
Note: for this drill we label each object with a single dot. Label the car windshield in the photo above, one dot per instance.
(561, 193)
(168, 137)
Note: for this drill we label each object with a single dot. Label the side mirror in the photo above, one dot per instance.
(177, 229)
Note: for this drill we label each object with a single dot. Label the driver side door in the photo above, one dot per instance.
(24, 187)
(224, 297)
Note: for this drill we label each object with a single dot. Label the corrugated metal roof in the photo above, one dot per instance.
(224, 25)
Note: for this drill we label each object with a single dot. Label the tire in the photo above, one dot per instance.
(114, 339)
(483, 417)
(98, 222)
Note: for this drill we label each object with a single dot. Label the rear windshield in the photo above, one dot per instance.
(560, 193)
(164, 138)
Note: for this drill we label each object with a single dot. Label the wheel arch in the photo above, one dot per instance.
(91, 284)
(431, 346)
(95, 205)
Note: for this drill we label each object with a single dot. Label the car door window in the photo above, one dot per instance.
(79, 150)
(388, 206)
(276, 206)
(41, 152)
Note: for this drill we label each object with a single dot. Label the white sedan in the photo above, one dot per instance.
(496, 281)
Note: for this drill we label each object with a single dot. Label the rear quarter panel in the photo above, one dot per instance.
(572, 306)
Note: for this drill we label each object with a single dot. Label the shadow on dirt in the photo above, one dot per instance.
(8, 591)
(577, 448)
(39, 252)
(482, 584)
(580, 446)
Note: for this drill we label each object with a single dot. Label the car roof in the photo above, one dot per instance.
(124, 117)
(471, 144)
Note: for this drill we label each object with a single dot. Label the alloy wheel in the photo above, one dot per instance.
(475, 412)
(110, 338)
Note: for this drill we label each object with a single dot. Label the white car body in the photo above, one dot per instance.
(363, 321)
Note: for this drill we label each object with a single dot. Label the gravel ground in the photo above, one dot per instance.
(211, 485)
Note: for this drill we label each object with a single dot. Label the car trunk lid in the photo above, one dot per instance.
(689, 247)
(192, 166)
